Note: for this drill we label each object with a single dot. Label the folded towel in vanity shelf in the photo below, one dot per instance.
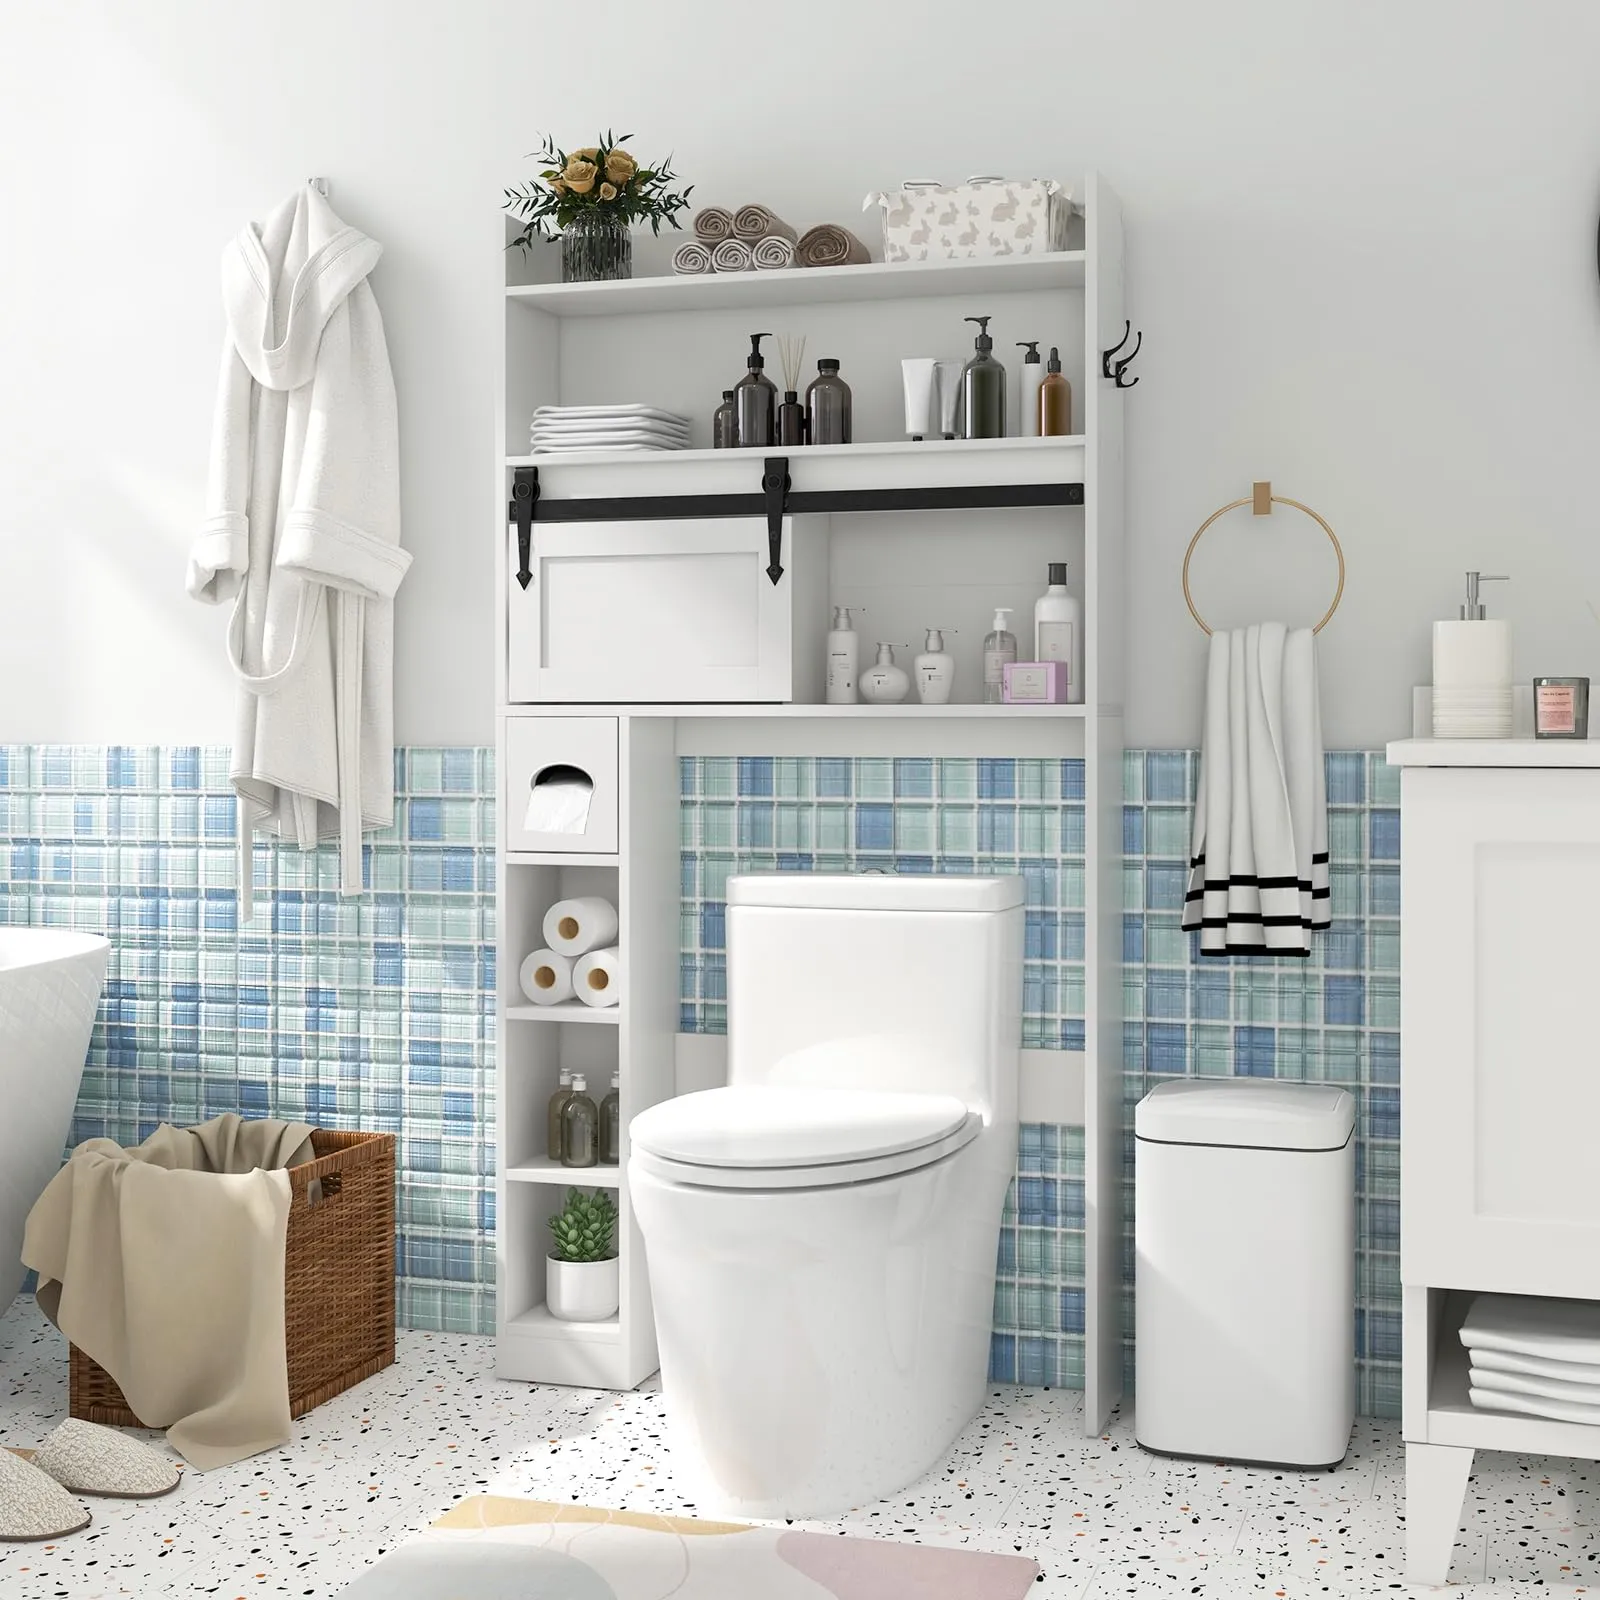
(1508, 1361)
(692, 259)
(732, 255)
(1520, 1383)
(1527, 1325)
(774, 252)
(1258, 869)
(165, 1264)
(754, 222)
(713, 224)
(1533, 1406)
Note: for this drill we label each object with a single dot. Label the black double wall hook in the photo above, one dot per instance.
(1116, 370)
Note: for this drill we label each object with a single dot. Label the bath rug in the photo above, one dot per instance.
(88, 1459)
(732, 255)
(829, 245)
(692, 258)
(33, 1505)
(754, 222)
(713, 224)
(772, 252)
(494, 1548)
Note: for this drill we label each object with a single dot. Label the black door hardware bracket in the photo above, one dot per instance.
(1116, 369)
(524, 492)
(775, 490)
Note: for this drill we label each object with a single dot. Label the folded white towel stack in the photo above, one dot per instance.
(1534, 1356)
(1258, 869)
(563, 428)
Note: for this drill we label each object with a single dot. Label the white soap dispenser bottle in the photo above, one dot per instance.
(935, 669)
(999, 648)
(844, 658)
(885, 684)
(1058, 629)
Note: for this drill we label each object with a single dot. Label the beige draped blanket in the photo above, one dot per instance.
(165, 1264)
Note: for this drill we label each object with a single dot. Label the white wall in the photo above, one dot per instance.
(1361, 240)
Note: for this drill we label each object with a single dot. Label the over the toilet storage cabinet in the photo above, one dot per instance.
(648, 614)
(1500, 875)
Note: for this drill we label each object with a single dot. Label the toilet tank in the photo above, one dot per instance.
(877, 981)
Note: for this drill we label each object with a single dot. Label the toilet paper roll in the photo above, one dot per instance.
(582, 924)
(546, 977)
(598, 977)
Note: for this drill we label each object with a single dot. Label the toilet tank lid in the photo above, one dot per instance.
(1257, 1113)
(875, 891)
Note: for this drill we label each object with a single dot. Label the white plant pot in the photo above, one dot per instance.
(582, 1291)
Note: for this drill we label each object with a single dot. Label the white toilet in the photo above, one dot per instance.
(821, 1234)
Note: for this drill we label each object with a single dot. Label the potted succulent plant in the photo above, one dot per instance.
(581, 1280)
(592, 197)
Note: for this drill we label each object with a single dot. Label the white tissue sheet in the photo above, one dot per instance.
(546, 977)
(598, 977)
(574, 927)
(559, 805)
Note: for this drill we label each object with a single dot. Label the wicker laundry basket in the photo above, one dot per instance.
(338, 1291)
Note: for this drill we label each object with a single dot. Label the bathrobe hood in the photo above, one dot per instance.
(302, 532)
(281, 282)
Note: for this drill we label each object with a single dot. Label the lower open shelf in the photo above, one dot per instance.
(604, 1176)
(536, 1322)
(566, 1011)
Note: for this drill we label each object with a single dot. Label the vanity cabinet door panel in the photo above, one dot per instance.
(1500, 1037)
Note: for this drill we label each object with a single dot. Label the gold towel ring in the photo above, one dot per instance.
(1262, 500)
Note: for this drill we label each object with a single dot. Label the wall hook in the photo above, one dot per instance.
(1115, 370)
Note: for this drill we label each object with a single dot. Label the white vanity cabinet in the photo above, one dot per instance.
(672, 610)
(1500, 1092)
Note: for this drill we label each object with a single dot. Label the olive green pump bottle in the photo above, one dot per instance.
(983, 390)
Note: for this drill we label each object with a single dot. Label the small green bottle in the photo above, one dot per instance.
(611, 1125)
(580, 1127)
(556, 1144)
(983, 390)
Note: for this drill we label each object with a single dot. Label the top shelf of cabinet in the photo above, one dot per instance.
(800, 286)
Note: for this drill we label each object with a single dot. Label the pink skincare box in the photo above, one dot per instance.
(1035, 683)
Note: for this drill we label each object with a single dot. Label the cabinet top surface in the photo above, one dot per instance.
(1532, 753)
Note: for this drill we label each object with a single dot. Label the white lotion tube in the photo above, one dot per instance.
(598, 977)
(916, 374)
(947, 381)
(572, 927)
(546, 977)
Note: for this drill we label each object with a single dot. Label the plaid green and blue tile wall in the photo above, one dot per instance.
(380, 1012)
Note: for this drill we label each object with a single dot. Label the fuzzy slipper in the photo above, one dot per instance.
(89, 1459)
(33, 1505)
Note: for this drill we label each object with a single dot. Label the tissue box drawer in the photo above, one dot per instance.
(621, 612)
(549, 762)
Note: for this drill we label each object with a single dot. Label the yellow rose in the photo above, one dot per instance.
(588, 153)
(620, 166)
(580, 175)
(608, 191)
(557, 186)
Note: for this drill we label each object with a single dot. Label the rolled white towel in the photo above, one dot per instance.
(713, 224)
(692, 258)
(771, 253)
(754, 222)
(732, 255)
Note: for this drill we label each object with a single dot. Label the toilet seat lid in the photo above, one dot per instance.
(763, 1127)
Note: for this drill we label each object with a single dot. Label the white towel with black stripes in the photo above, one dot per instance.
(1258, 868)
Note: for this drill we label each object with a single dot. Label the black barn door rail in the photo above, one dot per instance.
(773, 500)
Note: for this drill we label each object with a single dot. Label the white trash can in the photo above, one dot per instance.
(1244, 1242)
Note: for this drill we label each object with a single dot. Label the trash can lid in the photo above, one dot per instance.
(1257, 1113)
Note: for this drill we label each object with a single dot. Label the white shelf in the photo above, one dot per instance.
(538, 1323)
(600, 1177)
(801, 286)
(1494, 753)
(1453, 1419)
(566, 1011)
(925, 452)
(790, 712)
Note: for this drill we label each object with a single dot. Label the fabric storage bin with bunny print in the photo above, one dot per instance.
(982, 217)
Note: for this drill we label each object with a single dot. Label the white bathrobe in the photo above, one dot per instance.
(302, 533)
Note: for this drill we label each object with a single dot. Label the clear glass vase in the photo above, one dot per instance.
(595, 245)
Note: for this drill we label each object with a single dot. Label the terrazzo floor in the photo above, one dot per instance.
(1101, 1517)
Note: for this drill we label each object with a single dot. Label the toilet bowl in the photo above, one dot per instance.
(821, 1234)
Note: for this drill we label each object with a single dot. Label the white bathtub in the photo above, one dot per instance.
(49, 988)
